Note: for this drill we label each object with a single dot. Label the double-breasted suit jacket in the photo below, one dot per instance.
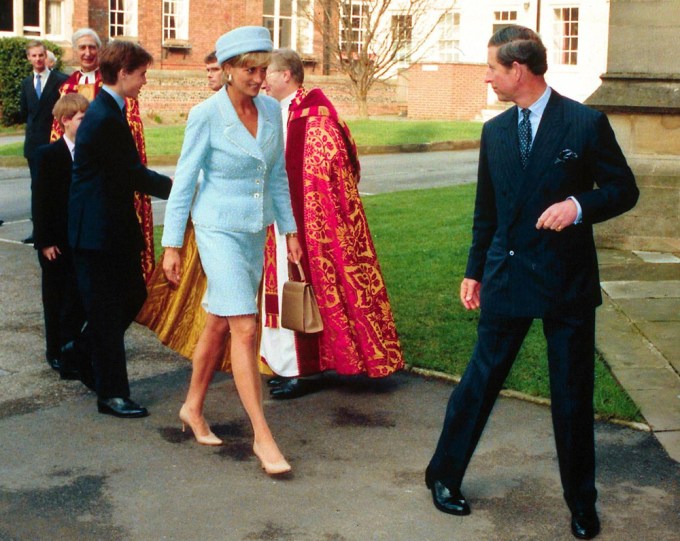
(244, 186)
(524, 271)
(37, 112)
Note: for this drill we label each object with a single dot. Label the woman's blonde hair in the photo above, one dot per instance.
(254, 59)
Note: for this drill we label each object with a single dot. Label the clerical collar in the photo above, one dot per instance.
(87, 77)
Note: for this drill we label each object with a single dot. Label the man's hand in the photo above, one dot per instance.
(558, 216)
(469, 293)
(51, 252)
(172, 266)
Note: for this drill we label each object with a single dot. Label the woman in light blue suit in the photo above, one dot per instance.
(235, 138)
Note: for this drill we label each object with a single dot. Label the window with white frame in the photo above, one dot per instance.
(402, 30)
(122, 18)
(353, 25)
(449, 37)
(304, 25)
(277, 16)
(565, 36)
(54, 17)
(40, 17)
(501, 19)
(175, 19)
(289, 23)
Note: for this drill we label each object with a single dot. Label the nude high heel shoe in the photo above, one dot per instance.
(272, 468)
(208, 439)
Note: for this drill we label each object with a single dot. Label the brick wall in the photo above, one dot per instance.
(173, 93)
(446, 91)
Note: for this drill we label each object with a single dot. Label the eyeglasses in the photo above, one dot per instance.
(272, 72)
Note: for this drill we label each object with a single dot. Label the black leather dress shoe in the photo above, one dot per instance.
(585, 524)
(276, 381)
(54, 363)
(447, 500)
(28, 240)
(121, 407)
(291, 388)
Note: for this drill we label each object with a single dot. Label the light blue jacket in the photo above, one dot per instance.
(244, 186)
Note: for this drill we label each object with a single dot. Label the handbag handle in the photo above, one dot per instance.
(291, 266)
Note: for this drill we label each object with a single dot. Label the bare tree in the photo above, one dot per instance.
(368, 40)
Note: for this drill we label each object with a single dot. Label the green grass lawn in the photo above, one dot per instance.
(167, 140)
(422, 238)
(13, 149)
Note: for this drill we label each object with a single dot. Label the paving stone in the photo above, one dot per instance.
(639, 289)
(651, 309)
(660, 407)
(648, 378)
(671, 442)
(656, 257)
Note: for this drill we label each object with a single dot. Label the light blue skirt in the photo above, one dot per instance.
(233, 263)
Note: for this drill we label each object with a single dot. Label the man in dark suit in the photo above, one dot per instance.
(64, 314)
(103, 228)
(39, 93)
(533, 256)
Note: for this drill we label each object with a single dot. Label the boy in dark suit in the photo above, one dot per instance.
(64, 315)
(549, 169)
(103, 229)
(39, 93)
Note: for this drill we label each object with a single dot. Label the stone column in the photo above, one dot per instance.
(641, 95)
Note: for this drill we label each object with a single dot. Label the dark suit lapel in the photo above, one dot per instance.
(551, 132)
(52, 81)
(504, 151)
(31, 96)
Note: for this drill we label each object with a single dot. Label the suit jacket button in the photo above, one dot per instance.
(511, 252)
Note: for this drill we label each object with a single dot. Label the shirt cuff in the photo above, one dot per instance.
(579, 212)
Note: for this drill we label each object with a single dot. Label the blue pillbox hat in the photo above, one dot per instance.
(245, 39)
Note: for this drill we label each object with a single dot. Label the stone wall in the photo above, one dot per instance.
(170, 94)
(641, 95)
(651, 142)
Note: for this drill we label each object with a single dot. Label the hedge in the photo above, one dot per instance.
(14, 67)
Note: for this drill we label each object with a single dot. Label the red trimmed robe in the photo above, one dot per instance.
(340, 261)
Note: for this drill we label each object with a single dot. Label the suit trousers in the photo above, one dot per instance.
(571, 346)
(113, 291)
(63, 311)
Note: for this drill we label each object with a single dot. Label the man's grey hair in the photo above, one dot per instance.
(287, 59)
(82, 32)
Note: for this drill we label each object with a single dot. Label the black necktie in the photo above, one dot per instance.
(524, 132)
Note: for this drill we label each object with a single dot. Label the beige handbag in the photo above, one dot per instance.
(299, 311)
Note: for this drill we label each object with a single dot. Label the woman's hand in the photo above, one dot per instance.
(294, 248)
(172, 266)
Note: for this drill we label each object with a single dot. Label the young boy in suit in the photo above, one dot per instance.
(64, 314)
